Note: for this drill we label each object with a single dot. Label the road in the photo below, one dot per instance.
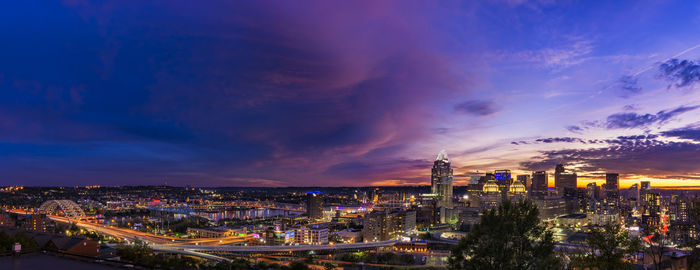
(132, 235)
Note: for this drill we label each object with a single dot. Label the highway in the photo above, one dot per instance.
(264, 249)
(132, 235)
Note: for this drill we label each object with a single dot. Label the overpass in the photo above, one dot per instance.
(283, 250)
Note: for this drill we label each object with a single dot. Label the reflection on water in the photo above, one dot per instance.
(247, 214)
(43, 261)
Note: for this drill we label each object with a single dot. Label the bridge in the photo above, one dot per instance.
(69, 209)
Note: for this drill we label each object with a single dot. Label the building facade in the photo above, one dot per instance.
(387, 225)
(314, 204)
(539, 184)
(441, 180)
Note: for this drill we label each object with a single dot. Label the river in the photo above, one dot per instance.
(247, 214)
(43, 261)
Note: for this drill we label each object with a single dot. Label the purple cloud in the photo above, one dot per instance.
(477, 107)
(681, 73)
(634, 120)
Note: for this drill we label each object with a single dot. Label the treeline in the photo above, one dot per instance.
(512, 237)
(7, 243)
(381, 258)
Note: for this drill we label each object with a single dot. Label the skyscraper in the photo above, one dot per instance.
(565, 182)
(503, 180)
(314, 204)
(441, 180)
(525, 179)
(644, 188)
(593, 191)
(539, 184)
(612, 186)
(644, 185)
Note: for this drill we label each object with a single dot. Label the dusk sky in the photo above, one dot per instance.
(346, 93)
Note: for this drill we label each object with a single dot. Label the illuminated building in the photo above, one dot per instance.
(612, 186)
(36, 222)
(679, 209)
(385, 225)
(491, 196)
(525, 179)
(593, 191)
(311, 235)
(651, 217)
(441, 180)
(565, 182)
(644, 185)
(682, 226)
(644, 188)
(503, 180)
(633, 194)
(474, 191)
(274, 236)
(601, 212)
(314, 204)
(517, 191)
(539, 184)
(550, 206)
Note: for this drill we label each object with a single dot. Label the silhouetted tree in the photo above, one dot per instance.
(607, 249)
(509, 237)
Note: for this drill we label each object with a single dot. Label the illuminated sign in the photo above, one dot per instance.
(502, 175)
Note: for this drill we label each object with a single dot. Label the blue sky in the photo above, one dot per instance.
(327, 93)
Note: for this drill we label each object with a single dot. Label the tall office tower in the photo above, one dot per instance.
(525, 179)
(314, 204)
(474, 191)
(644, 185)
(644, 188)
(593, 191)
(441, 180)
(558, 170)
(633, 192)
(539, 184)
(612, 186)
(565, 182)
(503, 179)
(679, 209)
(651, 218)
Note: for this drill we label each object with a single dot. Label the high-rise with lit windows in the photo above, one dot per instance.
(441, 180)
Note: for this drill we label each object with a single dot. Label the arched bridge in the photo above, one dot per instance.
(68, 208)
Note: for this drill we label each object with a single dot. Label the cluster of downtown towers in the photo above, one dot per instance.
(499, 186)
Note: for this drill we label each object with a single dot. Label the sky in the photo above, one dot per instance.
(346, 93)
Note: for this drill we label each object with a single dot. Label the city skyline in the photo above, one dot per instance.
(347, 94)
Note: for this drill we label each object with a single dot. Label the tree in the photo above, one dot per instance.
(297, 265)
(609, 247)
(509, 237)
(658, 246)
